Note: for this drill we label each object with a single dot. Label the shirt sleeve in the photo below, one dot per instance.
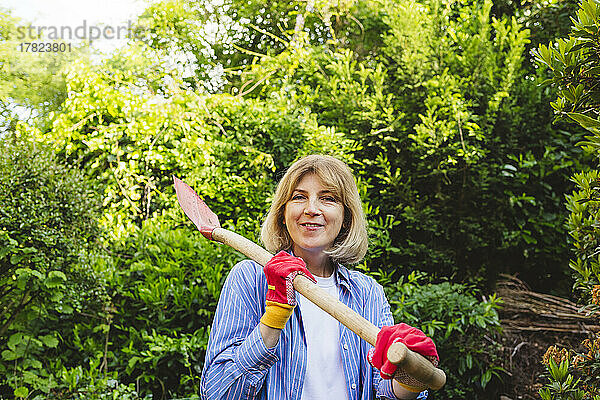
(388, 393)
(237, 360)
(380, 308)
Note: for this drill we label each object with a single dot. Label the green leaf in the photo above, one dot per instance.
(26, 273)
(55, 278)
(543, 54)
(485, 378)
(4, 251)
(65, 309)
(33, 363)
(132, 361)
(568, 95)
(585, 121)
(57, 274)
(49, 341)
(14, 340)
(593, 71)
(15, 258)
(57, 295)
(9, 355)
(21, 392)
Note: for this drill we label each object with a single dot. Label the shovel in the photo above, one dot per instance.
(414, 364)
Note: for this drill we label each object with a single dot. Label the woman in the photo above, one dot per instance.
(262, 346)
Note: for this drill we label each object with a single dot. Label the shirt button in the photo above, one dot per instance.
(345, 346)
(353, 386)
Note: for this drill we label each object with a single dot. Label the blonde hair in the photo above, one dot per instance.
(352, 242)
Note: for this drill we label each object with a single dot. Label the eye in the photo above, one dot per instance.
(297, 196)
(330, 199)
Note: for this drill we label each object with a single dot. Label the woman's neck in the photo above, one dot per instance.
(318, 263)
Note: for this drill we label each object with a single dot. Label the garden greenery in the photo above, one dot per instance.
(108, 291)
(575, 66)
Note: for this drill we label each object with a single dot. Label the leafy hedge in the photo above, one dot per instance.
(461, 325)
(460, 170)
(48, 217)
(575, 72)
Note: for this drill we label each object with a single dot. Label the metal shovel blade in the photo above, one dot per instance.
(196, 209)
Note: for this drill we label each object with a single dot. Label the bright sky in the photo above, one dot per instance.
(73, 13)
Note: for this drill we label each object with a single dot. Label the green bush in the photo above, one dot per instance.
(573, 376)
(91, 383)
(164, 282)
(573, 63)
(563, 386)
(445, 125)
(458, 323)
(147, 334)
(47, 220)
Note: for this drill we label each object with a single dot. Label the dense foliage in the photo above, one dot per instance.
(575, 66)
(47, 217)
(31, 84)
(462, 325)
(433, 103)
(445, 127)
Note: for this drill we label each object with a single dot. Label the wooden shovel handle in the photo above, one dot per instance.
(413, 363)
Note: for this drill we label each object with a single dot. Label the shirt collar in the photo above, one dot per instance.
(342, 273)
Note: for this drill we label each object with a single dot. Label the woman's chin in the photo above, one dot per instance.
(311, 247)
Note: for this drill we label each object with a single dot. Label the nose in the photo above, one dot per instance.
(312, 207)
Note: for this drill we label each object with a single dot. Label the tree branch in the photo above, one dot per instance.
(20, 307)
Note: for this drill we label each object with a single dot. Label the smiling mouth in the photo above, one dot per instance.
(311, 225)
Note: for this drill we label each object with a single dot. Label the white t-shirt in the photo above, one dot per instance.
(325, 379)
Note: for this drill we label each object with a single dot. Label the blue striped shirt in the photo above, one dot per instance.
(239, 366)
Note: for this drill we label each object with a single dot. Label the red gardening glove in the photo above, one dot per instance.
(280, 272)
(414, 339)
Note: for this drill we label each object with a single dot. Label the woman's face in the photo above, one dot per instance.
(313, 216)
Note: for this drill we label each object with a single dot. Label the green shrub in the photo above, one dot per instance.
(572, 376)
(445, 125)
(91, 383)
(147, 335)
(164, 282)
(458, 323)
(563, 386)
(574, 66)
(47, 219)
